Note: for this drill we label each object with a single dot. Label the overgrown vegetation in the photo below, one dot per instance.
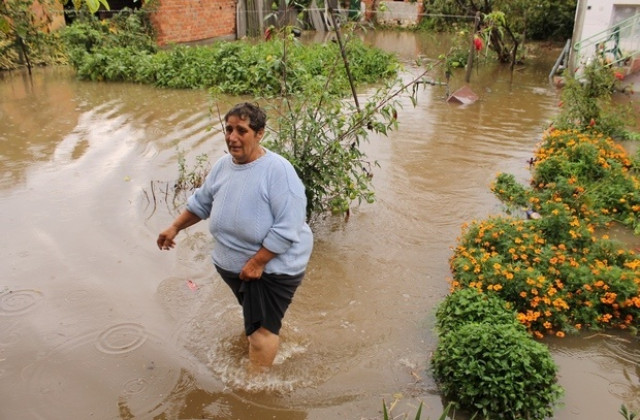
(561, 272)
(554, 274)
(26, 38)
(321, 136)
(539, 20)
(586, 103)
(487, 364)
(123, 49)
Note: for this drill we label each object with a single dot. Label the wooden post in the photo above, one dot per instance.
(472, 49)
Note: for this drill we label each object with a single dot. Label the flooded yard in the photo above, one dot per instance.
(96, 322)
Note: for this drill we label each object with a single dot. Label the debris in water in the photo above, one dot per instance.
(464, 96)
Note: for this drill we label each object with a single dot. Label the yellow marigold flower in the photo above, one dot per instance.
(560, 303)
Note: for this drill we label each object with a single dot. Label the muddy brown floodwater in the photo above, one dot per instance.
(96, 322)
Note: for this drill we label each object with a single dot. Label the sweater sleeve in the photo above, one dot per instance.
(288, 206)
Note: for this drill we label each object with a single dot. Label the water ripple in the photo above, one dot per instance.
(19, 302)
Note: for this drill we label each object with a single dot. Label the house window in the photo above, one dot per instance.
(629, 33)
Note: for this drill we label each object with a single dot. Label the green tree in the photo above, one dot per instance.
(24, 31)
(539, 20)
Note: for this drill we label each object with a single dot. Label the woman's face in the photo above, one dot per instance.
(243, 143)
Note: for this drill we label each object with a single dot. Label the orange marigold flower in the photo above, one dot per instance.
(560, 334)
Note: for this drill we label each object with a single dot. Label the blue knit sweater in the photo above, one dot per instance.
(261, 203)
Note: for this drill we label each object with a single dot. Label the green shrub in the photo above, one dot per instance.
(586, 103)
(496, 370)
(122, 50)
(471, 305)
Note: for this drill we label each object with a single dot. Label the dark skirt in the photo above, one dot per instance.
(264, 301)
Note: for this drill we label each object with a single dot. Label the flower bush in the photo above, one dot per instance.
(557, 271)
(586, 171)
(558, 278)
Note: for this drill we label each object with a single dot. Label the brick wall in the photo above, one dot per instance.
(194, 20)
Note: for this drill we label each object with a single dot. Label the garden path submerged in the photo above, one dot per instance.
(95, 322)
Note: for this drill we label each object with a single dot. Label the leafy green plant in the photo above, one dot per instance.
(25, 39)
(496, 370)
(123, 50)
(322, 137)
(586, 103)
(387, 412)
(472, 305)
(190, 178)
(626, 414)
(114, 49)
(92, 5)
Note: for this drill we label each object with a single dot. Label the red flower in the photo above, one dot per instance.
(478, 43)
(618, 75)
(592, 122)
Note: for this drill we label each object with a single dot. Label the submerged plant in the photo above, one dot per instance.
(190, 178)
(497, 371)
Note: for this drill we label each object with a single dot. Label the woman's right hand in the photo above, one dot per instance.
(165, 239)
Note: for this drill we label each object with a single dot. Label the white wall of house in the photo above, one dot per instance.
(594, 17)
(600, 14)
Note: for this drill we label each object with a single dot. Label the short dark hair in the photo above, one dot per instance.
(246, 110)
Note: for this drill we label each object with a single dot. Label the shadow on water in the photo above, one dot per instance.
(97, 323)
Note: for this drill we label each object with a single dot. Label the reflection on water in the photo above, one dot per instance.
(96, 322)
